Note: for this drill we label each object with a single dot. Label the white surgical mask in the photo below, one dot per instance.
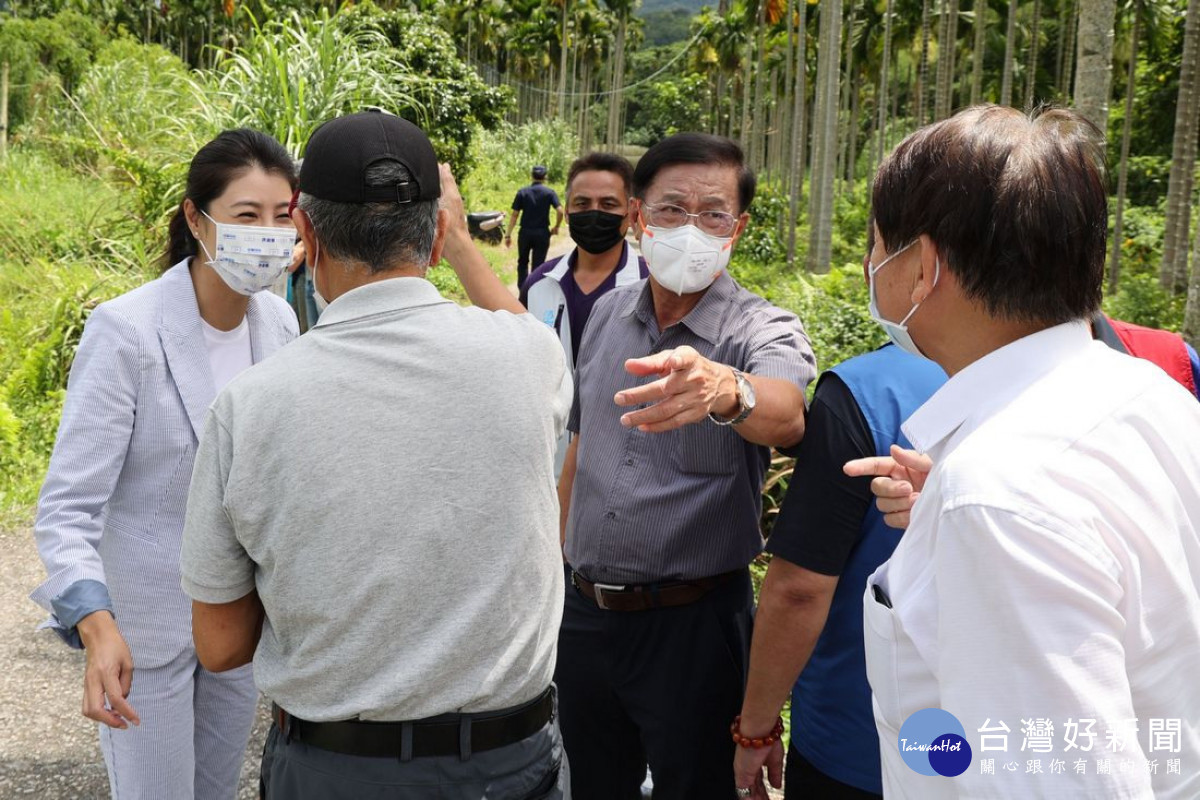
(897, 331)
(318, 298)
(685, 259)
(250, 258)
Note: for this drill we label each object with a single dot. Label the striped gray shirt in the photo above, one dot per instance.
(649, 507)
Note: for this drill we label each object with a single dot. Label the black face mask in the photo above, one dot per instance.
(596, 231)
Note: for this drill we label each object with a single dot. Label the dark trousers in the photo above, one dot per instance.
(531, 769)
(657, 687)
(530, 244)
(802, 780)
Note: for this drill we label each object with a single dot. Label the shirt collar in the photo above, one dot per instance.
(706, 320)
(393, 294)
(988, 385)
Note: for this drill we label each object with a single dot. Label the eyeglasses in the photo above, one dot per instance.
(669, 215)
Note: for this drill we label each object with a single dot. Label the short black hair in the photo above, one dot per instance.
(1016, 204)
(695, 148)
(602, 162)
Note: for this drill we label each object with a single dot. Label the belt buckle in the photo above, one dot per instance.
(601, 588)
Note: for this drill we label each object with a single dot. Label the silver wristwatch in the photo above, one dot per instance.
(746, 400)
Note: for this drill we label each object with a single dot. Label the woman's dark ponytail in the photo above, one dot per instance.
(180, 242)
(213, 167)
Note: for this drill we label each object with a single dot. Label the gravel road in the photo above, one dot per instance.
(48, 750)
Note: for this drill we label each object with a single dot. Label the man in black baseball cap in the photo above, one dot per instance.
(401, 607)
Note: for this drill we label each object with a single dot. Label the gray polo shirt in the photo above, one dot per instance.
(386, 483)
(649, 507)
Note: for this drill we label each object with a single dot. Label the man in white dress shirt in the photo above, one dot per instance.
(1047, 591)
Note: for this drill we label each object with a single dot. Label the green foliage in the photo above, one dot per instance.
(450, 100)
(1141, 300)
(667, 106)
(506, 154)
(667, 26)
(117, 124)
(45, 54)
(1148, 178)
(1142, 240)
(57, 229)
(292, 74)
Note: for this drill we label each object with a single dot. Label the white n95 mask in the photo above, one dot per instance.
(250, 258)
(897, 331)
(685, 259)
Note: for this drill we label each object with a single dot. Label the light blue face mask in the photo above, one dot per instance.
(318, 298)
(897, 331)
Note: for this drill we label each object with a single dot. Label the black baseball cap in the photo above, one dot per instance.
(539, 171)
(340, 151)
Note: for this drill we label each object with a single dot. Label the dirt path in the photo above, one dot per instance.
(48, 750)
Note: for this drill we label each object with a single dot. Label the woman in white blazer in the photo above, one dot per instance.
(110, 515)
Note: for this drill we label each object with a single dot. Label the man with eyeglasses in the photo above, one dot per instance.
(683, 383)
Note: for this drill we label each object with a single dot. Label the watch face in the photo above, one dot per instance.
(746, 390)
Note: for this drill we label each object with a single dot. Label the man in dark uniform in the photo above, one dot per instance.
(534, 201)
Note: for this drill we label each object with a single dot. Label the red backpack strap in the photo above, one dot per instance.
(1162, 347)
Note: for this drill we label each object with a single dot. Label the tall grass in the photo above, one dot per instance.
(295, 73)
(66, 243)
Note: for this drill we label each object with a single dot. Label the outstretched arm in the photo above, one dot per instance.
(481, 284)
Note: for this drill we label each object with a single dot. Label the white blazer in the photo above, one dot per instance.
(112, 507)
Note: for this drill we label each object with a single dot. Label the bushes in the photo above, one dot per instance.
(60, 236)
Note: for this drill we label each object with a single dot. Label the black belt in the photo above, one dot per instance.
(642, 597)
(446, 735)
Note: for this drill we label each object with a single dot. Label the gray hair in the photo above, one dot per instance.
(381, 236)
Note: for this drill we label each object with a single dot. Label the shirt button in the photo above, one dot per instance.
(629, 462)
(610, 515)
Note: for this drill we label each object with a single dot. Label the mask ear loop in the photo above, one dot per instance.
(937, 271)
(642, 220)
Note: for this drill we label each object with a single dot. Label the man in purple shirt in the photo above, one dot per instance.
(562, 291)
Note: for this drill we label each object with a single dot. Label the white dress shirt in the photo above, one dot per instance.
(1051, 571)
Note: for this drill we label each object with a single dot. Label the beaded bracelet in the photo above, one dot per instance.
(756, 743)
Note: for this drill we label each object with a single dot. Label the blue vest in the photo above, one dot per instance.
(833, 725)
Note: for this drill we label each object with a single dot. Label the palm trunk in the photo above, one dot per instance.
(1093, 75)
(1114, 255)
(947, 44)
(1191, 311)
(799, 120)
(1010, 47)
(1066, 80)
(1183, 158)
(1034, 49)
(923, 71)
(852, 159)
(825, 152)
(562, 65)
(846, 120)
(981, 12)
(884, 66)
(757, 129)
(1183, 155)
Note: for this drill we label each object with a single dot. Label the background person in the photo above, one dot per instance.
(1065, 490)
(532, 207)
(110, 514)
(562, 291)
(399, 606)
(683, 381)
